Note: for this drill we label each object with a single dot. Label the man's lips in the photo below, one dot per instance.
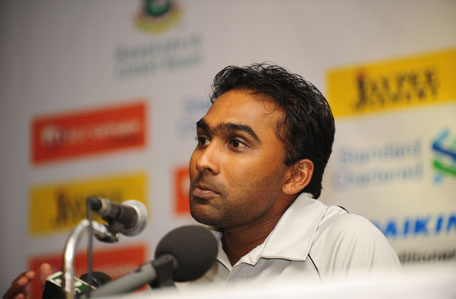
(204, 192)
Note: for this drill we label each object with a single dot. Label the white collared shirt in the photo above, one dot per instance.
(313, 240)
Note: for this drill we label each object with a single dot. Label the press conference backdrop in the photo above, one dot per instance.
(101, 97)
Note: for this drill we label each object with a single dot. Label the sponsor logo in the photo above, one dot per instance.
(114, 262)
(393, 162)
(174, 53)
(63, 136)
(61, 206)
(157, 16)
(395, 84)
(418, 226)
(417, 256)
(161, 54)
(181, 187)
(378, 165)
(444, 161)
(395, 88)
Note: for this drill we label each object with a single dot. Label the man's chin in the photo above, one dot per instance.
(203, 217)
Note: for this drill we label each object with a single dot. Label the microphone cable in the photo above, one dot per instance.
(89, 245)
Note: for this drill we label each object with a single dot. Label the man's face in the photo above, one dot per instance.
(237, 169)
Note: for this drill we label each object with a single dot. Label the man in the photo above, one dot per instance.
(256, 173)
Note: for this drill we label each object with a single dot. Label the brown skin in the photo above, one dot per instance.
(239, 181)
(18, 288)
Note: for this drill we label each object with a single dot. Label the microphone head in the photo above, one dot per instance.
(194, 248)
(141, 214)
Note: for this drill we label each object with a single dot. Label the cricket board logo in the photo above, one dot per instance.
(156, 16)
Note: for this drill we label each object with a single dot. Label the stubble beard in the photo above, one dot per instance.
(238, 206)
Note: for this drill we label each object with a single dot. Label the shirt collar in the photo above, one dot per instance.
(290, 239)
(293, 235)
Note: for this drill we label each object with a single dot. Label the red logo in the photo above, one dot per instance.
(181, 187)
(89, 132)
(114, 262)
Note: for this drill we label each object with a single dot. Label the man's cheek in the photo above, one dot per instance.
(192, 172)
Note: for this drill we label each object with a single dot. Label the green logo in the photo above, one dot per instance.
(157, 15)
(444, 162)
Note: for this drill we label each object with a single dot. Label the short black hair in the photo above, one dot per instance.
(307, 130)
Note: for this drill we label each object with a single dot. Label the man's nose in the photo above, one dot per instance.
(207, 160)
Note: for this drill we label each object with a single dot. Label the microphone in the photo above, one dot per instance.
(53, 287)
(184, 254)
(128, 218)
(194, 249)
(96, 279)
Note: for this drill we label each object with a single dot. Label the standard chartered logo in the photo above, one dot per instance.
(444, 161)
(378, 165)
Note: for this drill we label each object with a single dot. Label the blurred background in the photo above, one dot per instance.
(101, 97)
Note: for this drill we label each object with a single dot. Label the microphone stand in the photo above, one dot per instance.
(100, 231)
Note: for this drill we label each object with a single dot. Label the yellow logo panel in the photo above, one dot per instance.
(60, 207)
(394, 84)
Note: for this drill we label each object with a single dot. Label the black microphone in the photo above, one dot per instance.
(184, 254)
(53, 287)
(194, 248)
(96, 278)
(128, 218)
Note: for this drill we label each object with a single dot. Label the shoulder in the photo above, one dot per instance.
(342, 224)
(350, 231)
(346, 243)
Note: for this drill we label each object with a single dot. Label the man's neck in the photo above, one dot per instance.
(239, 241)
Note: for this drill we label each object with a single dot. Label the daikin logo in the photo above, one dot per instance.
(444, 161)
(157, 16)
(418, 226)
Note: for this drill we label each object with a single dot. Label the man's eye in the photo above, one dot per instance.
(237, 144)
(202, 140)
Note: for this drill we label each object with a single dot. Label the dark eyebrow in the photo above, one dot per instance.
(226, 128)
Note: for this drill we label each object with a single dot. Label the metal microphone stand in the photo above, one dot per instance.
(100, 231)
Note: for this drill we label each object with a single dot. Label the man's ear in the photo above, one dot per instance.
(299, 177)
